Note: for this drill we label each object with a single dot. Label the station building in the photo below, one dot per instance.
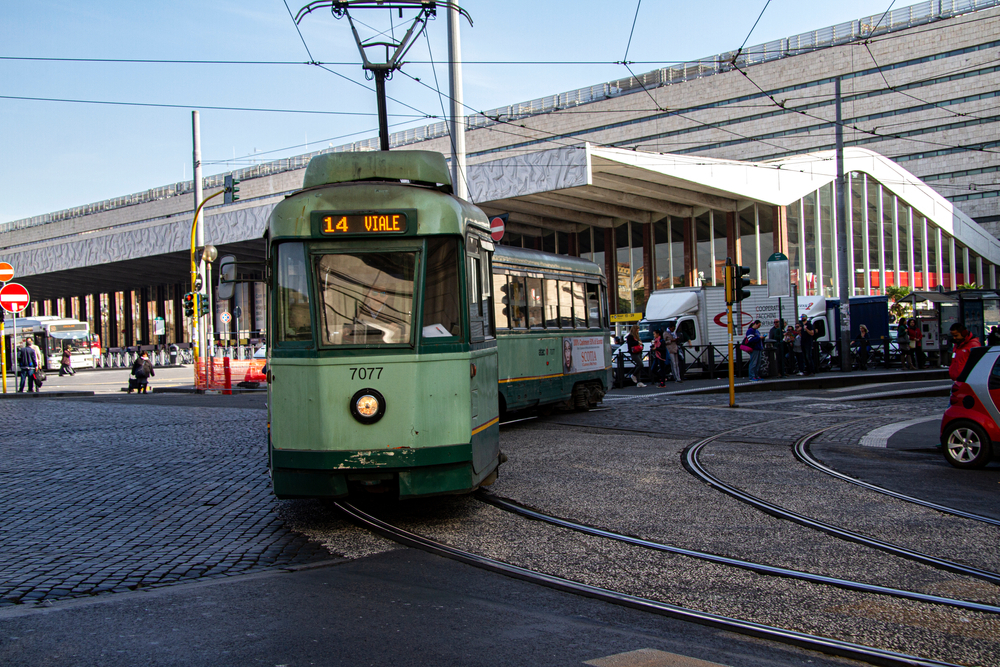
(657, 178)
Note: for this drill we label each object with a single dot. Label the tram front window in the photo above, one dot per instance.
(366, 297)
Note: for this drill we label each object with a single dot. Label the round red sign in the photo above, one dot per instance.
(496, 229)
(14, 297)
(6, 272)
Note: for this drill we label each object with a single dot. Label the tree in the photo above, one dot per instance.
(897, 309)
(970, 286)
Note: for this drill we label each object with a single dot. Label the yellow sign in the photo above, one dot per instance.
(626, 317)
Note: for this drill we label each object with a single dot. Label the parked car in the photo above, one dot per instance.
(969, 428)
(257, 372)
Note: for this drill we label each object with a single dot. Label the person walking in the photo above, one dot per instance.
(67, 364)
(864, 341)
(916, 341)
(658, 361)
(635, 349)
(962, 342)
(27, 364)
(905, 351)
(808, 336)
(142, 369)
(672, 344)
(993, 337)
(756, 344)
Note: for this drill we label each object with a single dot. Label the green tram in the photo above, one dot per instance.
(552, 330)
(382, 363)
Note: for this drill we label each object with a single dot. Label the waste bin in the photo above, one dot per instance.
(173, 354)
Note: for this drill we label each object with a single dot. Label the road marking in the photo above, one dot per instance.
(879, 437)
(648, 657)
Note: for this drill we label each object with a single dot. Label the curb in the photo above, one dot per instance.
(50, 394)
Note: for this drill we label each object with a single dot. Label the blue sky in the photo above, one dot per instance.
(57, 155)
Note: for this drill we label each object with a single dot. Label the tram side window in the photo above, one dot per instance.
(551, 304)
(501, 301)
(535, 303)
(565, 304)
(366, 297)
(442, 311)
(579, 306)
(593, 305)
(487, 270)
(516, 314)
(294, 316)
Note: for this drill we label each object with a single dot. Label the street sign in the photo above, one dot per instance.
(14, 297)
(6, 272)
(497, 226)
(779, 276)
(225, 317)
(626, 317)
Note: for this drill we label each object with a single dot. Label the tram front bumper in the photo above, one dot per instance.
(418, 472)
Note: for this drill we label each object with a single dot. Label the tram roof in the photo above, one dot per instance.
(426, 167)
(505, 256)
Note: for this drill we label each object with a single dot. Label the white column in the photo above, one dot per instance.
(881, 240)
(849, 236)
(670, 247)
(818, 231)
(954, 262)
(909, 246)
(965, 264)
(993, 276)
(711, 245)
(979, 271)
(865, 242)
(803, 278)
(926, 254)
(756, 240)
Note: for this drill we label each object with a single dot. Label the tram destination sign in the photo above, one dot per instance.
(377, 223)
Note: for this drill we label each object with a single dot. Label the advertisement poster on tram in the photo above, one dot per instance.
(583, 354)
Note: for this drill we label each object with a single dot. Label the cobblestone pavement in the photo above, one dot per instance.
(112, 496)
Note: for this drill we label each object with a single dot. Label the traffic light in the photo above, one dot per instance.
(740, 283)
(189, 304)
(202, 305)
(232, 188)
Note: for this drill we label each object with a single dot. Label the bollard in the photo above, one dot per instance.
(227, 374)
(886, 352)
(711, 361)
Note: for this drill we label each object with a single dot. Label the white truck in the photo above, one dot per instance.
(698, 314)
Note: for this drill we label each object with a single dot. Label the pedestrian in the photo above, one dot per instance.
(672, 343)
(916, 341)
(808, 336)
(754, 341)
(27, 364)
(142, 369)
(993, 338)
(962, 342)
(658, 359)
(777, 338)
(775, 334)
(635, 349)
(864, 341)
(788, 343)
(67, 364)
(800, 357)
(905, 351)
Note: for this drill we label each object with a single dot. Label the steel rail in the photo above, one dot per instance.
(510, 506)
(693, 465)
(803, 454)
(813, 642)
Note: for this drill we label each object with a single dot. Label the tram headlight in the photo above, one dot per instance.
(367, 405)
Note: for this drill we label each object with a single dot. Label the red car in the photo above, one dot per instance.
(970, 424)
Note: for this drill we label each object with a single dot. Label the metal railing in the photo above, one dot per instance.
(842, 33)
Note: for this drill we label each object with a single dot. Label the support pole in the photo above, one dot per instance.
(457, 120)
(198, 240)
(844, 270)
(3, 358)
(383, 115)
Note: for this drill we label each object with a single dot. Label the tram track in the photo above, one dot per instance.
(803, 454)
(827, 645)
(760, 568)
(691, 461)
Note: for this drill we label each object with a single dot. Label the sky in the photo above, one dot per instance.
(57, 154)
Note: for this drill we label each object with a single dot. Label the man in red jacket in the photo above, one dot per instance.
(963, 342)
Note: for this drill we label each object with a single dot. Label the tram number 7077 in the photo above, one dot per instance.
(369, 373)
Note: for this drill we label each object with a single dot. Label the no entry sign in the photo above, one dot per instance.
(14, 297)
(6, 272)
(497, 228)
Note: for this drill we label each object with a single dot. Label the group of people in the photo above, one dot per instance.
(797, 341)
(664, 353)
(911, 344)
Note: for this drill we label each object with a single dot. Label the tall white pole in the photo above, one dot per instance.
(200, 231)
(457, 120)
